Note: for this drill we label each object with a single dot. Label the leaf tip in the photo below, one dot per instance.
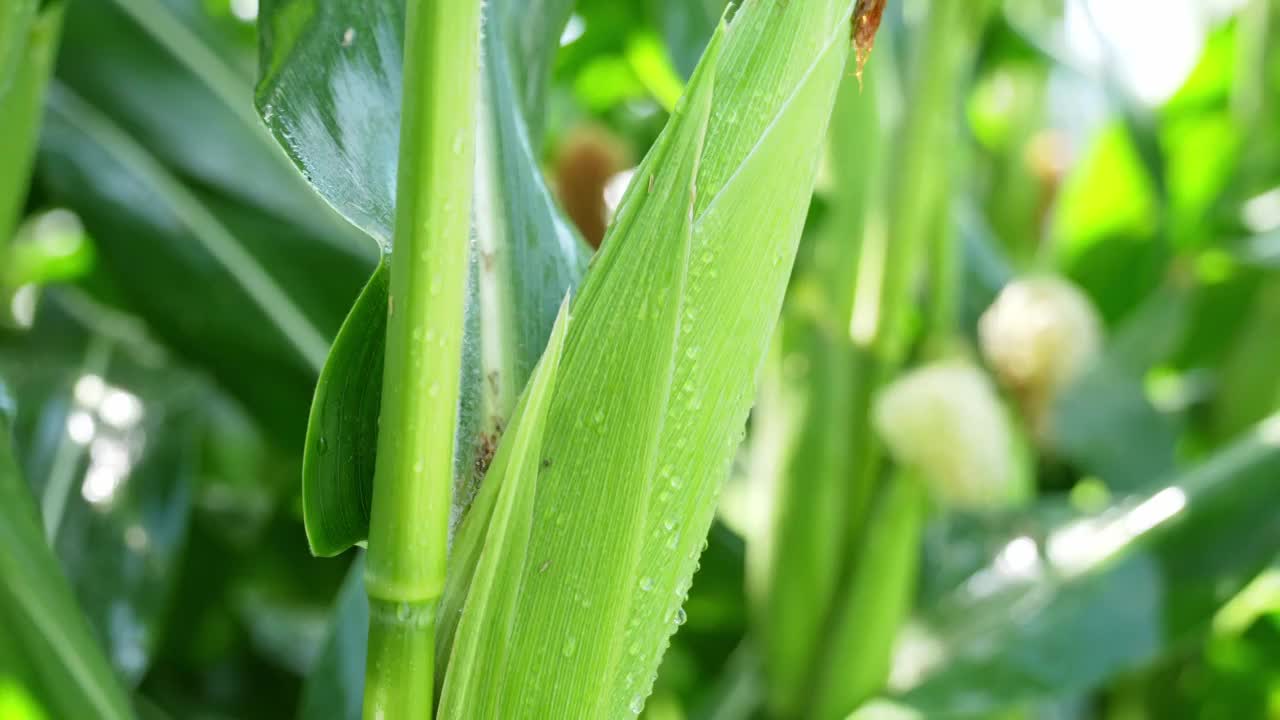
(867, 15)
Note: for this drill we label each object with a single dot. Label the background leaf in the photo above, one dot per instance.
(49, 659)
(109, 439)
(1105, 593)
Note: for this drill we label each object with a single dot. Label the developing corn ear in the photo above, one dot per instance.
(1039, 335)
(945, 422)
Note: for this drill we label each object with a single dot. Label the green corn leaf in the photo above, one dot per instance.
(1061, 610)
(48, 657)
(337, 468)
(330, 90)
(620, 517)
(486, 622)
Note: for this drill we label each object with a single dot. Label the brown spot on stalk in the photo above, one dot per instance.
(866, 22)
(485, 448)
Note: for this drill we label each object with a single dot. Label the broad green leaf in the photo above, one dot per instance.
(484, 630)
(48, 656)
(107, 431)
(631, 394)
(1250, 386)
(619, 523)
(1062, 610)
(331, 92)
(342, 434)
(28, 45)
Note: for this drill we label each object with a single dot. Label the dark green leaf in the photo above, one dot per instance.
(107, 432)
(1060, 612)
(222, 280)
(49, 659)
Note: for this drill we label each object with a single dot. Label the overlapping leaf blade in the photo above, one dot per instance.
(484, 632)
(606, 571)
(331, 93)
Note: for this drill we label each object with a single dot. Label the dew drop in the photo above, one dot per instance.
(570, 646)
(637, 704)
(403, 611)
(323, 446)
(646, 584)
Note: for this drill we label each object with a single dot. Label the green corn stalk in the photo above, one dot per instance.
(883, 547)
(801, 434)
(409, 520)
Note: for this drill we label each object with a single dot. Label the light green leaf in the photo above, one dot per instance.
(619, 520)
(484, 630)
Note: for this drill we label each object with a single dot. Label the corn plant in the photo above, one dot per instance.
(888, 392)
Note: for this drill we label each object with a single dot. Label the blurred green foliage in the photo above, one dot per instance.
(161, 356)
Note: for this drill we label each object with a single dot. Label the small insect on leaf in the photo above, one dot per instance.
(866, 22)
